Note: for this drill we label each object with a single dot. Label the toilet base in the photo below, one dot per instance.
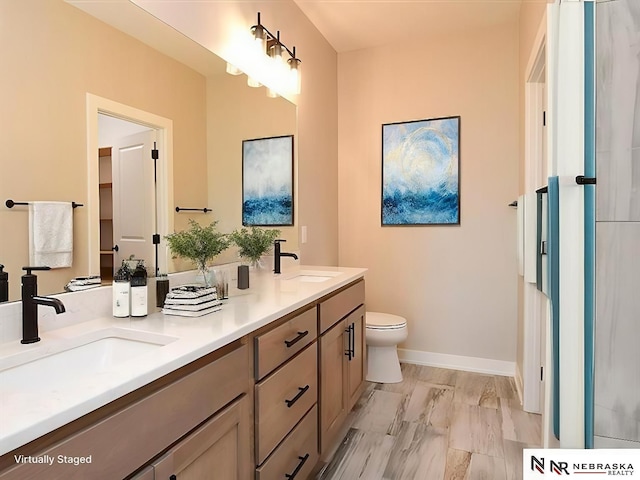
(383, 365)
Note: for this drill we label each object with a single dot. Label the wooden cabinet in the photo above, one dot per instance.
(342, 361)
(333, 384)
(357, 362)
(283, 399)
(298, 454)
(283, 342)
(286, 396)
(220, 418)
(142, 425)
(217, 450)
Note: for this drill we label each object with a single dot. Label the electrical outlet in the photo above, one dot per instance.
(303, 234)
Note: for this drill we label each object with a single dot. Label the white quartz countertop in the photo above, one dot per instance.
(29, 410)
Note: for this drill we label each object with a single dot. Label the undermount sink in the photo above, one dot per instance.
(55, 362)
(313, 276)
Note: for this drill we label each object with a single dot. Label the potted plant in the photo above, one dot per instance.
(253, 243)
(198, 243)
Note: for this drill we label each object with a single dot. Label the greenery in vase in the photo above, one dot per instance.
(200, 244)
(254, 242)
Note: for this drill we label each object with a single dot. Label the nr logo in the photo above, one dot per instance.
(538, 465)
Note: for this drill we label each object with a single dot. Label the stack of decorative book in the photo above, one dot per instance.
(191, 301)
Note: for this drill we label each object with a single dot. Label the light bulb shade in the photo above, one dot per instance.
(260, 36)
(272, 93)
(232, 69)
(253, 83)
(294, 75)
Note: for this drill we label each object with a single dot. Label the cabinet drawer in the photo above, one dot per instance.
(283, 342)
(340, 305)
(297, 454)
(283, 398)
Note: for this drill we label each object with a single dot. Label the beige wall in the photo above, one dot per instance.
(52, 55)
(454, 284)
(531, 15)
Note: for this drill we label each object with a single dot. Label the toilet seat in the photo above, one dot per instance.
(385, 321)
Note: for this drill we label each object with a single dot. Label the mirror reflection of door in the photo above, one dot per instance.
(127, 193)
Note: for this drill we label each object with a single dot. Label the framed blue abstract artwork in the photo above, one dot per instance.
(267, 181)
(421, 172)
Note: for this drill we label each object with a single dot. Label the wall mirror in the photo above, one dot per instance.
(54, 54)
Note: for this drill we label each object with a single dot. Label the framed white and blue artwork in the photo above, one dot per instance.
(421, 172)
(267, 181)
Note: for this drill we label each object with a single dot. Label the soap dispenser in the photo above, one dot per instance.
(139, 290)
(121, 292)
(4, 285)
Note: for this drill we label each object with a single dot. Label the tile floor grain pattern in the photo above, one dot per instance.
(436, 424)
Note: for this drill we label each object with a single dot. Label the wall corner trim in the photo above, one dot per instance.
(458, 362)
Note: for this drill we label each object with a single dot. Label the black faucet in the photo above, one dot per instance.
(30, 302)
(278, 255)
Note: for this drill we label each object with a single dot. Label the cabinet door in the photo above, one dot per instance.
(219, 449)
(333, 383)
(357, 362)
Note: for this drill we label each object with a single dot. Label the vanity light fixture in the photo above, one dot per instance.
(287, 70)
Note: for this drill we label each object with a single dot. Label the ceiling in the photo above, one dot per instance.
(355, 24)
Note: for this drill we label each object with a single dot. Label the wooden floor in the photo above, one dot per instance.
(436, 425)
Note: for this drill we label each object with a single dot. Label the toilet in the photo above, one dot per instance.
(383, 334)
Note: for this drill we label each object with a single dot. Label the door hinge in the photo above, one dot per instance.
(541, 373)
(544, 118)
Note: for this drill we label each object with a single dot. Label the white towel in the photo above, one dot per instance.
(50, 234)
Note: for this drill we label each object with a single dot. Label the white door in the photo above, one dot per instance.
(134, 198)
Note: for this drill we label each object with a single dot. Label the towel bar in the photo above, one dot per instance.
(10, 203)
(204, 210)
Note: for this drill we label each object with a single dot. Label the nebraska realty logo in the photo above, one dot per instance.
(597, 463)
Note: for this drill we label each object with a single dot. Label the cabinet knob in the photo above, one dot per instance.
(173, 477)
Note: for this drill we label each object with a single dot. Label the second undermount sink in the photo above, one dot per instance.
(56, 362)
(313, 276)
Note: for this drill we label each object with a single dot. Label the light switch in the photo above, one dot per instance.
(303, 234)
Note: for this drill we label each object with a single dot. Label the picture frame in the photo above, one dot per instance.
(267, 181)
(421, 172)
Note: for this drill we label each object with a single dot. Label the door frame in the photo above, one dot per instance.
(164, 180)
(535, 166)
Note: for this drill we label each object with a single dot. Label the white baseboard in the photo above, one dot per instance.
(458, 362)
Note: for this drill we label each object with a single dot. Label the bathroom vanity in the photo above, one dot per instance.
(258, 390)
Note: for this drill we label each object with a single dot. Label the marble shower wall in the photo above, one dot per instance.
(617, 356)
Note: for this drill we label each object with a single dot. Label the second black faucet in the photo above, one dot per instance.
(277, 255)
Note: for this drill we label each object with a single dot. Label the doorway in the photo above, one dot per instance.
(140, 212)
(535, 302)
(127, 193)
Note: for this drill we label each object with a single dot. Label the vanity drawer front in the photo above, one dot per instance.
(298, 451)
(340, 305)
(283, 342)
(283, 398)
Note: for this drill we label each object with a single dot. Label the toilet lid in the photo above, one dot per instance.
(382, 320)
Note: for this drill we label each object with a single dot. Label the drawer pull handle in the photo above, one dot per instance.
(297, 397)
(291, 476)
(351, 340)
(301, 335)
